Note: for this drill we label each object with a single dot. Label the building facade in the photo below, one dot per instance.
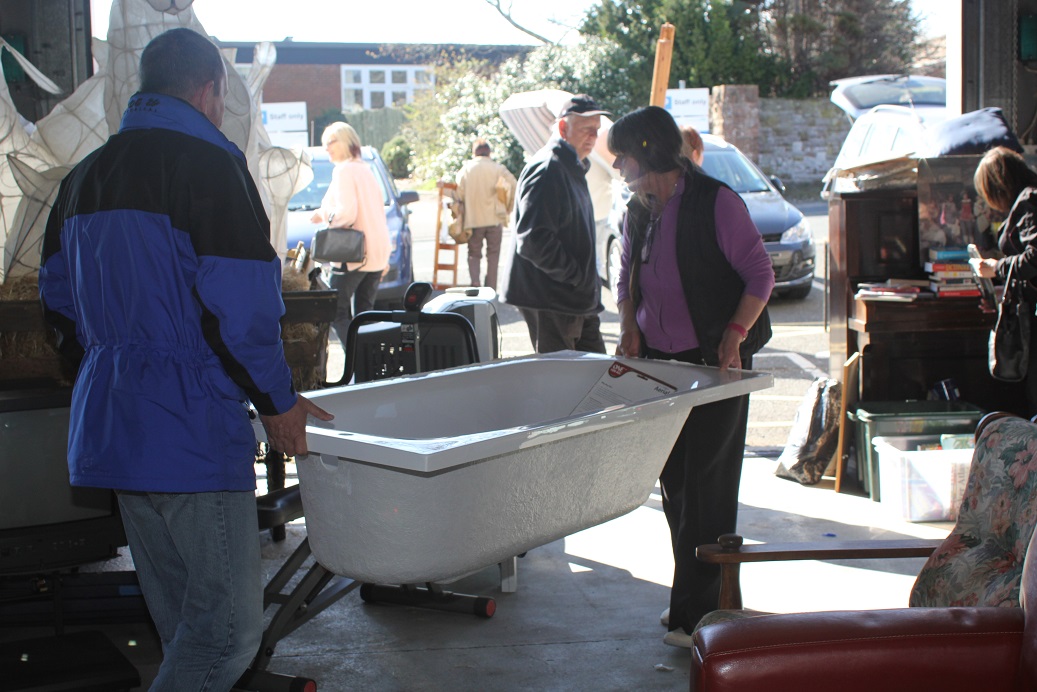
(352, 77)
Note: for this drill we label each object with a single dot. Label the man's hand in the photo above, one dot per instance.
(286, 432)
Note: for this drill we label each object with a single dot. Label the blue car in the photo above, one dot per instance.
(401, 266)
(786, 235)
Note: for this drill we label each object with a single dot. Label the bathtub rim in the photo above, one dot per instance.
(432, 456)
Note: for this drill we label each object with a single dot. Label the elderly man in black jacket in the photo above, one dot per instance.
(553, 278)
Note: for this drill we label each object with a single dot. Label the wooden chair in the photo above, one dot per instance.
(980, 562)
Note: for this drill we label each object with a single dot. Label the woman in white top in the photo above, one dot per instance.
(353, 200)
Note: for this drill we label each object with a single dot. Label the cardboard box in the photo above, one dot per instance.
(921, 484)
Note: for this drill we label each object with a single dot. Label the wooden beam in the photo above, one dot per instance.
(663, 58)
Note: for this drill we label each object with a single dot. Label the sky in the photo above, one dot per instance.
(406, 21)
(376, 21)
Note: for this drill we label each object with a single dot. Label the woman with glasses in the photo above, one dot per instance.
(353, 200)
(693, 286)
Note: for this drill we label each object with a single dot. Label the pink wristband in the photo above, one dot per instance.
(734, 326)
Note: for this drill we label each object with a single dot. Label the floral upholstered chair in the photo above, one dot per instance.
(979, 564)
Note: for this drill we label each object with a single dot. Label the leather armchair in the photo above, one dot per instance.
(946, 649)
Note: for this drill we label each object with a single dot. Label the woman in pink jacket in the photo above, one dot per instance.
(353, 200)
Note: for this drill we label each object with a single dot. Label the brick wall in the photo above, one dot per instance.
(734, 114)
(317, 85)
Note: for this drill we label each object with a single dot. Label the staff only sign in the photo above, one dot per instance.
(689, 107)
(286, 123)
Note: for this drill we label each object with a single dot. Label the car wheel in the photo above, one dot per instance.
(799, 292)
(615, 259)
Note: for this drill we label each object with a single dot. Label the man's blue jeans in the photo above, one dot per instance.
(197, 559)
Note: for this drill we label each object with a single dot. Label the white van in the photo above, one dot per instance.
(890, 115)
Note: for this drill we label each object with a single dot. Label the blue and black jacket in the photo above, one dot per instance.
(157, 269)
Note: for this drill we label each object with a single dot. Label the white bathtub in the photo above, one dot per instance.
(433, 476)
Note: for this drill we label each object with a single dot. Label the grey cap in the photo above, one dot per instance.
(582, 105)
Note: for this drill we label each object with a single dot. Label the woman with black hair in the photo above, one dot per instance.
(693, 286)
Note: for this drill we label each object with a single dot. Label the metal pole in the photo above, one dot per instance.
(663, 57)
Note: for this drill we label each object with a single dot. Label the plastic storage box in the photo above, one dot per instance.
(898, 418)
(921, 484)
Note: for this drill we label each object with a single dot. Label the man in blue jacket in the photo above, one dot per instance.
(553, 277)
(157, 272)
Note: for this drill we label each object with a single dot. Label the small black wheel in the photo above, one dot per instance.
(485, 607)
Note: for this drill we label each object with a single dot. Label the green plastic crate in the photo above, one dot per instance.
(898, 418)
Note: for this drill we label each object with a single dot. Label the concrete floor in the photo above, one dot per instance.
(586, 612)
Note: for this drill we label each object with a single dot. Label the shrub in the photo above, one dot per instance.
(397, 154)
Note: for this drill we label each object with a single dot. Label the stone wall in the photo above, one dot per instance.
(796, 140)
(800, 138)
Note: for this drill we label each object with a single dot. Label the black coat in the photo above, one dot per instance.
(553, 264)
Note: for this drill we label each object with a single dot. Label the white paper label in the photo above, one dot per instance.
(622, 385)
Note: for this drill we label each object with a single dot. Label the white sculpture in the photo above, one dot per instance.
(35, 157)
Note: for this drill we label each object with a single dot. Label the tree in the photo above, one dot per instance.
(442, 125)
(716, 42)
(506, 13)
(786, 47)
(823, 40)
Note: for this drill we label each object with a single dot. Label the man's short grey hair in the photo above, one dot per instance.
(179, 62)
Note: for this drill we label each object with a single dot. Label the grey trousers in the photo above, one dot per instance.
(492, 235)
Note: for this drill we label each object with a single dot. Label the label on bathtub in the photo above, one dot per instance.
(622, 385)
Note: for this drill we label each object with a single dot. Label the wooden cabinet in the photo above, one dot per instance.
(905, 347)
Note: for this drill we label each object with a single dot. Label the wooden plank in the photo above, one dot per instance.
(828, 550)
(851, 382)
(730, 554)
(663, 59)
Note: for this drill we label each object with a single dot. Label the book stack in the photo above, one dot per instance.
(950, 275)
(900, 290)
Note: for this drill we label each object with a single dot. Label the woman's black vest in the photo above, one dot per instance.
(712, 288)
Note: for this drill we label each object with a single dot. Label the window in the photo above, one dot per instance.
(399, 76)
(399, 98)
(422, 77)
(352, 99)
(879, 144)
(377, 76)
(377, 99)
(352, 76)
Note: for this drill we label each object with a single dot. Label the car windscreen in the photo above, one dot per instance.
(310, 197)
(899, 91)
(735, 170)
